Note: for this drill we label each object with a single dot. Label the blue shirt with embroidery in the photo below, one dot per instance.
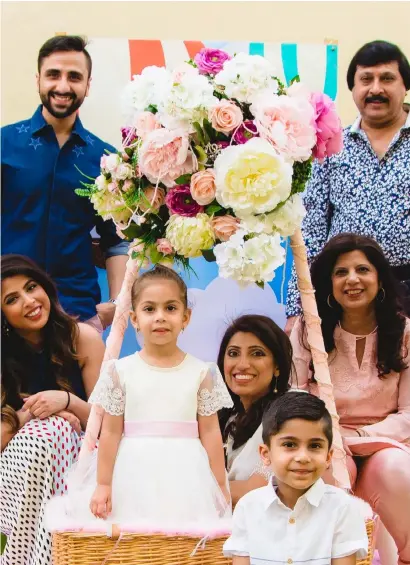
(355, 191)
(43, 218)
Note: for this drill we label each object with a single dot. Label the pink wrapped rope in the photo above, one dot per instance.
(319, 355)
(112, 351)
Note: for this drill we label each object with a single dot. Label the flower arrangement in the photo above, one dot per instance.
(215, 155)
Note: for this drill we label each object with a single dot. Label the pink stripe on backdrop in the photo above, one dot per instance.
(161, 429)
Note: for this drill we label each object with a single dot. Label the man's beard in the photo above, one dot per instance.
(46, 100)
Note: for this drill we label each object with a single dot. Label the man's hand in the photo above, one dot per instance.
(289, 325)
(106, 311)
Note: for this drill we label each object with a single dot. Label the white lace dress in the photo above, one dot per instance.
(245, 461)
(162, 478)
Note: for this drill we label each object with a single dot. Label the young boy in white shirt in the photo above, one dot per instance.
(301, 520)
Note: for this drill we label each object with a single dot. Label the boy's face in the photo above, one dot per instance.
(298, 455)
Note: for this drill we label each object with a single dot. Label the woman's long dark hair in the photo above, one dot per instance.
(59, 334)
(388, 306)
(245, 423)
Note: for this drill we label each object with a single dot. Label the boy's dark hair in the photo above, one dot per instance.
(295, 404)
(64, 43)
(376, 53)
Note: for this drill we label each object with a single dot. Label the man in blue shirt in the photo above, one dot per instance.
(43, 160)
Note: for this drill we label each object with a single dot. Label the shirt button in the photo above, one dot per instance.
(290, 560)
(292, 521)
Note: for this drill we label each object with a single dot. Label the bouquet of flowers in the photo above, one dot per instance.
(215, 155)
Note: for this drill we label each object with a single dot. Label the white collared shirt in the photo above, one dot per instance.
(324, 525)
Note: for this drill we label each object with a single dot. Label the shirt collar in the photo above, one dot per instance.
(38, 123)
(314, 495)
(355, 127)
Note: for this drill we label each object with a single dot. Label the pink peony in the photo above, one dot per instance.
(145, 123)
(203, 186)
(152, 200)
(211, 61)
(224, 226)
(245, 132)
(329, 137)
(225, 116)
(164, 246)
(179, 201)
(287, 123)
(166, 155)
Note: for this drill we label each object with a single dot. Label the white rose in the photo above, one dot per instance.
(123, 171)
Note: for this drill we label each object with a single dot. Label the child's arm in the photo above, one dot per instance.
(112, 429)
(236, 560)
(349, 560)
(211, 439)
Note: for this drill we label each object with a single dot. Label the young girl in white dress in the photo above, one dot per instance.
(160, 463)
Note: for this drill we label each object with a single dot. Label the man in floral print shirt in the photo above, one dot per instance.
(365, 189)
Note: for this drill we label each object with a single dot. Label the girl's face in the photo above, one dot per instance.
(25, 305)
(355, 281)
(249, 367)
(160, 314)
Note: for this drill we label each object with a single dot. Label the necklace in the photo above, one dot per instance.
(359, 337)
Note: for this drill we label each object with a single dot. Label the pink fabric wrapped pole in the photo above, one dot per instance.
(319, 355)
(112, 351)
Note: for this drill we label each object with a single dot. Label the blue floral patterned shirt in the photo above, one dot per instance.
(355, 191)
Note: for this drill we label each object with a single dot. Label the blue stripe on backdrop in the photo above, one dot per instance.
(257, 49)
(290, 60)
(330, 86)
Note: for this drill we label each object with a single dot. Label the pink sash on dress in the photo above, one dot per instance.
(161, 429)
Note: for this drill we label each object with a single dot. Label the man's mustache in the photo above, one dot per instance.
(376, 99)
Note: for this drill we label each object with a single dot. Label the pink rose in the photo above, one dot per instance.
(225, 116)
(224, 226)
(152, 200)
(329, 138)
(113, 187)
(203, 186)
(127, 185)
(164, 246)
(145, 123)
(287, 123)
(166, 155)
(211, 61)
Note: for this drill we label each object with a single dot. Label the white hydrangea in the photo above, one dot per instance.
(186, 99)
(288, 218)
(144, 89)
(285, 220)
(250, 261)
(245, 75)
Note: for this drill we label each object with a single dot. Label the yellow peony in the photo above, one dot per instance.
(188, 236)
(252, 178)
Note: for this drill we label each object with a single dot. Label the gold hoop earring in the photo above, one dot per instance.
(384, 295)
(328, 301)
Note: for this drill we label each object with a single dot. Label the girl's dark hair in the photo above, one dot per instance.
(296, 405)
(376, 53)
(245, 423)
(157, 273)
(61, 43)
(388, 307)
(60, 336)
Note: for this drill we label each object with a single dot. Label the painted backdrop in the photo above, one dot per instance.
(215, 301)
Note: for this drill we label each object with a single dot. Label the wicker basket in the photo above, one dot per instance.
(73, 548)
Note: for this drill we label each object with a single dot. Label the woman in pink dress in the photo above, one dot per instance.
(367, 339)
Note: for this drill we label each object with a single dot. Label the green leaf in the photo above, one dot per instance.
(3, 541)
(151, 108)
(199, 132)
(84, 175)
(209, 130)
(132, 232)
(83, 192)
(208, 255)
(213, 208)
(183, 179)
(260, 284)
(295, 79)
